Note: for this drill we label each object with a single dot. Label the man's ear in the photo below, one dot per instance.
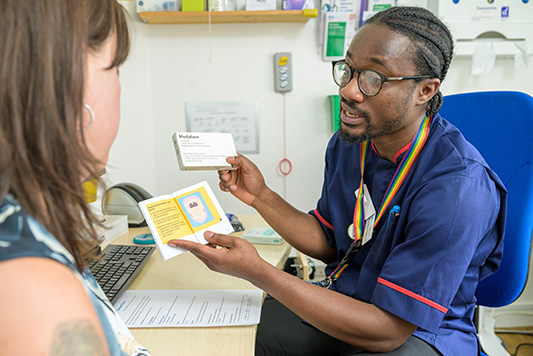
(427, 90)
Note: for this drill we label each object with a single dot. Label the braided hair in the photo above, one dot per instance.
(431, 38)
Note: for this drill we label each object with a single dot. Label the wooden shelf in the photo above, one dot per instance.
(202, 17)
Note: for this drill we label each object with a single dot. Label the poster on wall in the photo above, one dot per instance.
(240, 118)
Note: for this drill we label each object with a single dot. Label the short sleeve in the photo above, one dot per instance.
(450, 230)
(322, 211)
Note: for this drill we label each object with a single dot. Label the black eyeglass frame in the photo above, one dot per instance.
(381, 76)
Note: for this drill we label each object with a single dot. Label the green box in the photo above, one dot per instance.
(193, 5)
(334, 106)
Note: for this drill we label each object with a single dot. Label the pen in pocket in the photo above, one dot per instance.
(395, 211)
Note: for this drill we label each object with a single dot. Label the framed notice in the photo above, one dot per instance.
(239, 118)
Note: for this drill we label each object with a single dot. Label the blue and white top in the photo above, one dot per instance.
(22, 236)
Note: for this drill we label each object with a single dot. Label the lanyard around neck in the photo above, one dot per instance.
(394, 186)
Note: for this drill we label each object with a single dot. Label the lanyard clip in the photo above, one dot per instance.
(352, 250)
(326, 282)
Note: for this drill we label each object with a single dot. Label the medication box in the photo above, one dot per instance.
(261, 235)
(258, 5)
(157, 5)
(193, 5)
(296, 4)
(203, 150)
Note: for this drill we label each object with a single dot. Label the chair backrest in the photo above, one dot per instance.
(500, 125)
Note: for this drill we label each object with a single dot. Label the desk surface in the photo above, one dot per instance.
(187, 272)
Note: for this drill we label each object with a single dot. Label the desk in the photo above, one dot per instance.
(187, 272)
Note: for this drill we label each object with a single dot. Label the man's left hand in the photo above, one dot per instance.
(226, 254)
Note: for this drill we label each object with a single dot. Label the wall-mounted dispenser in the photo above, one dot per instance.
(504, 26)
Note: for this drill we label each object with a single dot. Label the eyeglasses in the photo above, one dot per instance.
(369, 81)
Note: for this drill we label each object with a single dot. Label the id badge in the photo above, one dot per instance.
(370, 216)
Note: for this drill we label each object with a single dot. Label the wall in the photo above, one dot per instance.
(170, 65)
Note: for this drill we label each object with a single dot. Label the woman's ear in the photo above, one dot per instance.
(428, 89)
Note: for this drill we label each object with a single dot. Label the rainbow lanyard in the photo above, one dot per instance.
(397, 180)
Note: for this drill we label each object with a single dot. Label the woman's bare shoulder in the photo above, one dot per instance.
(45, 310)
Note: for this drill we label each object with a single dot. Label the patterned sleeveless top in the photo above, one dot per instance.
(23, 236)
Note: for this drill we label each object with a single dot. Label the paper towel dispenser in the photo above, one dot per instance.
(505, 25)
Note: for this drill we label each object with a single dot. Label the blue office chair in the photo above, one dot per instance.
(500, 125)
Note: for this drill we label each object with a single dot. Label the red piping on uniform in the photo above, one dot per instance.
(323, 220)
(413, 295)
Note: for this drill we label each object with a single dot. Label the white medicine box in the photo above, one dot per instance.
(158, 5)
(259, 5)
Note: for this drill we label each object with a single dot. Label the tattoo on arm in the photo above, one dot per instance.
(77, 337)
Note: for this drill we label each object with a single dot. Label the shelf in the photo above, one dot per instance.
(202, 17)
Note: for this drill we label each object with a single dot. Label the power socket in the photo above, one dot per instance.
(283, 72)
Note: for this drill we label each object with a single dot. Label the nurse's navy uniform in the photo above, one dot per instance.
(425, 259)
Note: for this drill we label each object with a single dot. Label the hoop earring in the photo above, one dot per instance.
(91, 115)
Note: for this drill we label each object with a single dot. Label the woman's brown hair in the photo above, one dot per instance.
(43, 49)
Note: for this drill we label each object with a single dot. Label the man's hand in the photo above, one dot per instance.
(355, 322)
(246, 182)
(226, 254)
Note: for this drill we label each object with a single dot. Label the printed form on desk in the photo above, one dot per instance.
(189, 308)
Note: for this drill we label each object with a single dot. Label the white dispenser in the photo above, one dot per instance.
(504, 25)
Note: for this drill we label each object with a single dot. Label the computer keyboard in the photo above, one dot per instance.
(117, 266)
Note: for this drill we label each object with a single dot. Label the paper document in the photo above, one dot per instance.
(189, 308)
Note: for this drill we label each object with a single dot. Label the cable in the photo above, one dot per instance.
(285, 172)
(285, 160)
(519, 346)
(210, 38)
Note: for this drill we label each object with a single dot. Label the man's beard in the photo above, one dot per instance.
(371, 131)
(351, 139)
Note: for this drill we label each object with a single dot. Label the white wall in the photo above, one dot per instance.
(169, 65)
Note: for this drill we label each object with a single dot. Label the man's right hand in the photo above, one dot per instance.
(298, 228)
(246, 182)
